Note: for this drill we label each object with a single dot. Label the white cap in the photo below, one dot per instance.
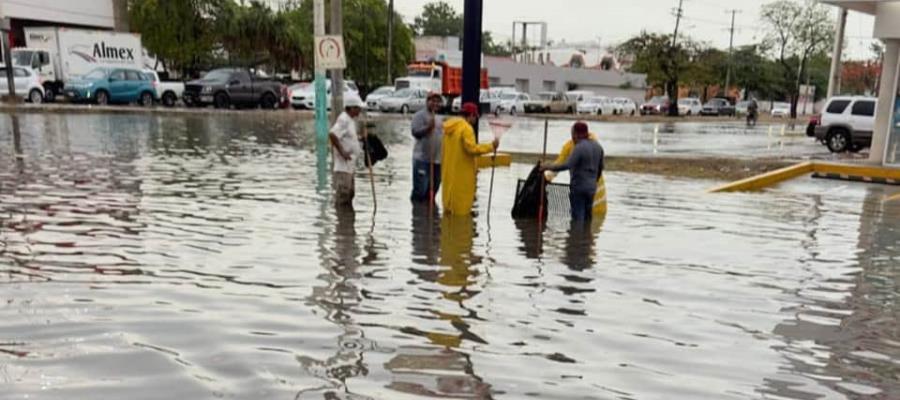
(352, 102)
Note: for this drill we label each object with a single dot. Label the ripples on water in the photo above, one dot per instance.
(193, 257)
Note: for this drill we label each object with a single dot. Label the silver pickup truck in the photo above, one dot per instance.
(168, 92)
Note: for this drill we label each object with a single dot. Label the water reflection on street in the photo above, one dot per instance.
(194, 257)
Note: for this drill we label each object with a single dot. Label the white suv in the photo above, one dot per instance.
(847, 123)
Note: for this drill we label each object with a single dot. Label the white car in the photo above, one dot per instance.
(689, 106)
(513, 102)
(303, 96)
(781, 110)
(579, 96)
(625, 106)
(168, 92)
(600, 105)
(404, 101)
(485, 97)
(28, 84)
(373, 100)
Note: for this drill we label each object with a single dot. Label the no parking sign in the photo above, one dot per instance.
(330, 52)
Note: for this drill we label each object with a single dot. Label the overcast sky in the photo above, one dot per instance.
(613, 21)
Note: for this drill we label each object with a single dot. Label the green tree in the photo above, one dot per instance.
(797, 32)
(706, 68)
(655, 55)
(491, 48)
(178, 33)
(439, 19)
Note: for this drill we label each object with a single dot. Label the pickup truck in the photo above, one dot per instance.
(550, 102)
(168, 92)
(225, 87)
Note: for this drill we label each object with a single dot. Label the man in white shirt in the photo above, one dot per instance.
(345, 141)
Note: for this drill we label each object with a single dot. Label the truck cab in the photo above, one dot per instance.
(41, 62)
(429, 77)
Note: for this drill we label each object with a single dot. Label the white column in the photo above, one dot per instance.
(834, 80)
(886, 92)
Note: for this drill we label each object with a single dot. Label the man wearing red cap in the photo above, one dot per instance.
(585, 165)
(460, 151)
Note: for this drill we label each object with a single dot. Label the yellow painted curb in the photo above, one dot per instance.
(868, 171)
(767, 179)
(501, 160)
(851, 172)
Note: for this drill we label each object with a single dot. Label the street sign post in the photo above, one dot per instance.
(321, 107)
(330, 52)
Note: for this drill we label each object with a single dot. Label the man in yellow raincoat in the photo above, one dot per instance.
(459, 154)
(599, 207)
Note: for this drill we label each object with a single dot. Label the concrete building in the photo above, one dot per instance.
(90, 14)
(885, 148)
(534, 78)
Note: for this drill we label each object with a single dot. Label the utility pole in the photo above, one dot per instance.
(834, 77)
(390, 44)
(730, 52)
(673, 95)
(337, 75)
(678, 14)
(321, 98)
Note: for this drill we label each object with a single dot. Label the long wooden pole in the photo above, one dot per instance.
(369, 163)
(543, 177)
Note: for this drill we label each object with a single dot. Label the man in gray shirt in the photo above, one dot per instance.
(584, 165)
(428, 131)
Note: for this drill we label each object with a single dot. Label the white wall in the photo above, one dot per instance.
(95, 13)
(886, 21)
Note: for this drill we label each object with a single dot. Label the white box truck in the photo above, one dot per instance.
(60, 54)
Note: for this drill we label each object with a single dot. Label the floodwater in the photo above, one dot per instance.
(179, 257)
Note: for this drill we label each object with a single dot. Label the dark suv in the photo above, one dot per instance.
(233, 86)
(718, 107)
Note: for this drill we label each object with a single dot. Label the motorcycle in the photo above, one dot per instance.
(751, 118)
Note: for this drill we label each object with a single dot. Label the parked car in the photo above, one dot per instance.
(847, 123)
(656, 105)
(550, 102)
(373, 100)
(600, 105)
(490, 100)
(112, 85)
(27, 83)
(513, 102)
(580, 96)
(404, 101)
(303, 95)
(689, 106)
(168, 92)
(226, 87)
(718, 107)
(781, 110)
(625, 106)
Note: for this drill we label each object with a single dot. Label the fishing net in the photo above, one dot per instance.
(557, 203)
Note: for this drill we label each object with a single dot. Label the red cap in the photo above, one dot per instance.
(580, 127)
(470, 109)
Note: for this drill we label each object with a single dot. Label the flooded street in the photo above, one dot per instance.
(195, 257)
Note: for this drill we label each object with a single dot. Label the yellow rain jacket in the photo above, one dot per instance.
(458, 167)
(600, 196)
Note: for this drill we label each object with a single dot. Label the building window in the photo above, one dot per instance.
(549, 86)
(522, 85)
